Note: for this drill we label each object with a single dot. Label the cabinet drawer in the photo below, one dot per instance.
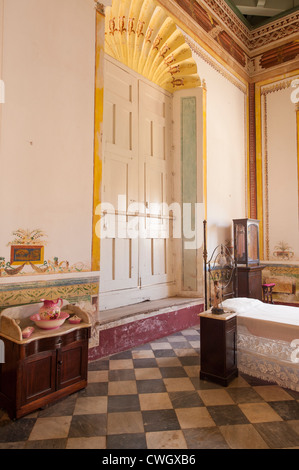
(56, 342)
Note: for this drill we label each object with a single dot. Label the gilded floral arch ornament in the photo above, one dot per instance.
(139, 34)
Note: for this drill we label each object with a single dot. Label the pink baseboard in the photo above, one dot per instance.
(135, 333)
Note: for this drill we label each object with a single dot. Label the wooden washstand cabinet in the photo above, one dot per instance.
(45, 367)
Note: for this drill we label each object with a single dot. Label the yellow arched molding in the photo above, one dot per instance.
(139, 34)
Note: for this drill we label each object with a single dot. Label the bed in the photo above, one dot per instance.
(267, 334)
(267, 340)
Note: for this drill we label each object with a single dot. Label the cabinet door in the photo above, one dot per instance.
(72, 364)
(231, 359)
(255, 285)
(38, 376)
(212, 344)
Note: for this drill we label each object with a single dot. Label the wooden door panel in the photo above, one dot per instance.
(154, 188)
(159, 141)
(120, 179)
(118, 80)
(156, 266)
(38, 376)
(155, 110)
(159, 256)
(72, 364)
(117, 180)
(120, 111)
(154, 156)
(137, 136)
(119, 258)
(118, 122)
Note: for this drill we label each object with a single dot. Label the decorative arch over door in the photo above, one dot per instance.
(139, 34)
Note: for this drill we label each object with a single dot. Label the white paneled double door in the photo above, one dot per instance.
(136, 248)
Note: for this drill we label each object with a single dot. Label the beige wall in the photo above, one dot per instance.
(226, 147)
(280, 173)
(47, 125)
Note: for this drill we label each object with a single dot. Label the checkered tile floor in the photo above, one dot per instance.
(151, 397)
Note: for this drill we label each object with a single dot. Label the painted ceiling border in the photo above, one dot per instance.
(251, 44)
(251, 38)
(214, 63)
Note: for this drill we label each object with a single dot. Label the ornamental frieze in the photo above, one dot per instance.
(222, 25)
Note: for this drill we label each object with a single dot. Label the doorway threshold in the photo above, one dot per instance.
(129, 313)
(124, 328)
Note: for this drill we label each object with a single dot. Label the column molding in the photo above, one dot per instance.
(204, 137)
(98, 135)
(252, 207)
(297, 122)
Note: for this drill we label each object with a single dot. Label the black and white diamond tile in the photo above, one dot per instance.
(151, 397)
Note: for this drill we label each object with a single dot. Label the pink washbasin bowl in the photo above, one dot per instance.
(49, 324)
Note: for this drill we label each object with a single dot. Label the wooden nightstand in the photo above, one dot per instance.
(218, 347)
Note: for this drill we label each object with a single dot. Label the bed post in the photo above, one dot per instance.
(205, 254)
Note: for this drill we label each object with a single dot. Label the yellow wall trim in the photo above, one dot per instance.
(98, 132)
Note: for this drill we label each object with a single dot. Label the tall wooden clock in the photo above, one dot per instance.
(246, 252)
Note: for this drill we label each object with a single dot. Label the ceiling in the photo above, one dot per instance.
(257, 12)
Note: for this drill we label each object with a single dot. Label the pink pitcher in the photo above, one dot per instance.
(51, 309)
